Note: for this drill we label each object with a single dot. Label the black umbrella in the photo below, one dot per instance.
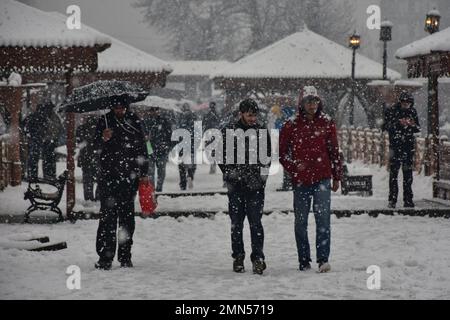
(102, 95)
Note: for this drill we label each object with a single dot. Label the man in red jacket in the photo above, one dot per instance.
(309, 151)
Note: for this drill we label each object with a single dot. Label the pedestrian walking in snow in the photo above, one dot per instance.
(246, 175)
(43, 130)
(211, 121)
(123, 165)
(309, 151)
(88, 157)
(187, 170)
(401, 122)
(158, 130)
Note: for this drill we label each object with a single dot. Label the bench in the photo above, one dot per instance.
(45, 200)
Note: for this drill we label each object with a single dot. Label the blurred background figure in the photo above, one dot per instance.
(158, 131)
(211, 120)
(88, 157)
(187, 171)
(43, 130)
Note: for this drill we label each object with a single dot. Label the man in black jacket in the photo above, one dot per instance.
(245, 171)
(159, 131)
(401, 122)
(187, 171)
(123, 164)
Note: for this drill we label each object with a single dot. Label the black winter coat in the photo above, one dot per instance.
(123, 159)
(88, 156)
(159, 130)
(247, 176)
(401, 138)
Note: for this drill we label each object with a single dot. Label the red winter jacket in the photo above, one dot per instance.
(309, 150)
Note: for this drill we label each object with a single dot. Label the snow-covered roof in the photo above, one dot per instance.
(163, 103)
(122, 57)
(439, 41)
(305, 54)
(25, 26)
(197, 68)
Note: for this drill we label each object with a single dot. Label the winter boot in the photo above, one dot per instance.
(305, 267)
(238, 265)
(103, 265)
(259, 266)
(324, 267)
(126, 264)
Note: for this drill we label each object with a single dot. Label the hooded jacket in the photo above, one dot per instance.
(247, 175)
(309, 150)
(401, 138)
(123, 158)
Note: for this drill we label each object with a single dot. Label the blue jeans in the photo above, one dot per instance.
(248, 203)
(320, 193)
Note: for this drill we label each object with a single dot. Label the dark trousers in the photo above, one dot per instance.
(406, 163)
(88, 175)
(157, 166)
(242, 203)
(186, 171)
(49, 160)
(112, 210)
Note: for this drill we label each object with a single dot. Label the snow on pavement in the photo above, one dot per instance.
(189, 258)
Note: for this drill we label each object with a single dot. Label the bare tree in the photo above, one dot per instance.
(217, 29)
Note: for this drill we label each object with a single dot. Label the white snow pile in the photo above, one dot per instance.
(22, 25)
(439, 41)
(304, 54)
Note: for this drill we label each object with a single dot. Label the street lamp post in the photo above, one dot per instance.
(385, 36)
(354, 43)
(432, 23)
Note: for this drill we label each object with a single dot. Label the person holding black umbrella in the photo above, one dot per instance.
(123, 161)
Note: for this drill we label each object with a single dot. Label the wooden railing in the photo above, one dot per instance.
(371, 146)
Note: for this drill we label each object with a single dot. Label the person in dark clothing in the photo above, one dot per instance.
(123, 162)
(245, 171)
(159, 132)
(43, 129)
(401, 122)
(88, 157)
(187, 171)
(211, 121)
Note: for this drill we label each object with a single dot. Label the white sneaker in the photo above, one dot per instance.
(190, 183)
(324, 267)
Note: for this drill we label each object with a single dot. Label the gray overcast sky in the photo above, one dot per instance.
(116, 18)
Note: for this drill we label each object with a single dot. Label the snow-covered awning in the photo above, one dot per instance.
(304, 55)
(122, 57)
(25, 26)
(437, 42)
(197, 68)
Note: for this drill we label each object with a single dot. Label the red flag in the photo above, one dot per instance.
(147, 198)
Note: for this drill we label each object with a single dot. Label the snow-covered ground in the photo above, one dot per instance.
(189, 258)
